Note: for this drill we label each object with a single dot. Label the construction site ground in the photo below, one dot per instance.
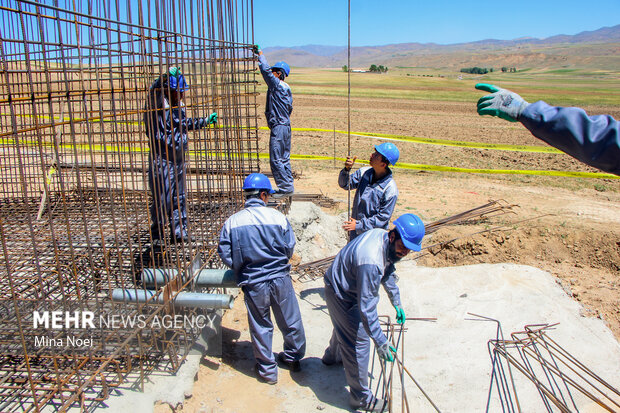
(568, 227)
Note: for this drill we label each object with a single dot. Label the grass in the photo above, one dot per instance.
(566, 87)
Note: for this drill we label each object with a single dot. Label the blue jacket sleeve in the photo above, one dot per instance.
(390, 287)
(382, 218)
(269, 77)
(368, 279)
(181, 122)
(594, 140)
(224, 249)
(343, 179)
(289, 239)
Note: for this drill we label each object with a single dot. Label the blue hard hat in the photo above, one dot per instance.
(390, 151)
(176, 80)
(256, 181)
(411, 230)
(282, 66)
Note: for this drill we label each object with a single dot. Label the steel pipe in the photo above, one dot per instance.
(182, 299)
(203, 278)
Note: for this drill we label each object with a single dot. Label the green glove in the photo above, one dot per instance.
(400, 315)
(385, 352)
(212, 118)
(501, 102)
(256, 49)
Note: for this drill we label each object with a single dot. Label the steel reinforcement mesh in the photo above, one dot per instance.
(74, 192)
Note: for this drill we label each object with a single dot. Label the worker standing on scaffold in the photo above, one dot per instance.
(352, 294)
(376, 193)
(278, 112)
(166, 126)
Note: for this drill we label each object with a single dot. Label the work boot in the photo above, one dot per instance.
(294, 366)
(281, 194)
(329, 361)
(375, 405)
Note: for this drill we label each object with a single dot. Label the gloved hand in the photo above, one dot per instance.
(212, 118)
(385, 352)
(502, 103)
(256, 49)
(400, 315)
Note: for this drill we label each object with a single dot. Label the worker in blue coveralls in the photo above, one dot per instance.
(166, 126)
(352, 293)
(257, 243)
(594, 140)
(376, 193)
(278, 111)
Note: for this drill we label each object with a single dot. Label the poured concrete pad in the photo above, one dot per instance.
(449, 357)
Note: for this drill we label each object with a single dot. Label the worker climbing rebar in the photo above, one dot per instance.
(352, 294)
(166, 126)
(278, 109)
(376, 193)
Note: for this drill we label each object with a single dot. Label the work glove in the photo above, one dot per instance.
(501, 102)
(385, 352)
(400, 315)
(212, 118)
(256, 49)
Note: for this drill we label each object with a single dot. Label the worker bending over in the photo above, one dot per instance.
(278, 111)
(352, 294)
(594, 140)
(166, 126)
(376, 193)
(257, 243)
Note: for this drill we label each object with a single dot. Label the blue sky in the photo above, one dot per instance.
(375, 22)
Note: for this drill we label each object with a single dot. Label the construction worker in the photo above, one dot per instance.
(594, 140)
(376, 193)
(278, 112)
(257, 243)
(166, 126)
(352, 293)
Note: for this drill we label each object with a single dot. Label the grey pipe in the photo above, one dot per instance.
(204, 278)
(186, 299)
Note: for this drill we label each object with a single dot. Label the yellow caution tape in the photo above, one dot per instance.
(50, 174)
(422, 167)
(401, 165)
(442, 142)
(398, 138)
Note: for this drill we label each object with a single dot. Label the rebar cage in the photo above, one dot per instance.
(74, 191)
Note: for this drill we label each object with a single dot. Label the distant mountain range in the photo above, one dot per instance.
(594, 49)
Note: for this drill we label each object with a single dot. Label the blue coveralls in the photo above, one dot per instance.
(167, 131)
(374, 202)
(594, 140)
(257, 243)
(278, 110)
(352, 294)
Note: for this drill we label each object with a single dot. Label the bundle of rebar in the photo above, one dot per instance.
(563, 382)
(76, 210)
(315, 269)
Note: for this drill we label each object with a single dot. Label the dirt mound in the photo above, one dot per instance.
(318, 234)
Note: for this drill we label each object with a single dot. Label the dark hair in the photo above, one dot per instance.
(396, 234)
(254, 193)
(385, 160)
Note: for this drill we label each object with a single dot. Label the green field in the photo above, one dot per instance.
(563, 87)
